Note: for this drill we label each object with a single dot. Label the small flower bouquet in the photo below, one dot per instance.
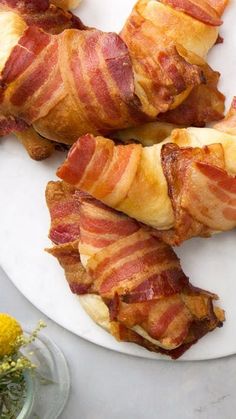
(14, 365)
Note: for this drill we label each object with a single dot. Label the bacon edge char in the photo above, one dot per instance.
(64, 213)
(203, 194)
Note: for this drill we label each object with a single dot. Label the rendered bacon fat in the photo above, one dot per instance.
(158, 185)
(149, 299)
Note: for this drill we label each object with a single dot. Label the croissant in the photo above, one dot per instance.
(184, 186)
(99, 82)
(128, 281)
(192, 33)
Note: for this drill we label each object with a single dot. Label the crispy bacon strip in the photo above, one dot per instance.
(9, 124)
(43, 14)
(100, 226)
(64, 233)
(122, 333)
(202, 192)
(99, 167)
(69, 258)
(150, 300)
(138, 259)
(199, 9)
(176, 162)
(204, 104)
(64, 212)
(215, 205)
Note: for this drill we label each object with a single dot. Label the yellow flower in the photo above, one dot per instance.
(10, 330)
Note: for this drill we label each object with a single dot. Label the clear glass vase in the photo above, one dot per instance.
(47, 387)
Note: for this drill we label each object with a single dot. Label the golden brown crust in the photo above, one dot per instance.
(228, 124)
(37, 147)
(192, 34)
(66, 4)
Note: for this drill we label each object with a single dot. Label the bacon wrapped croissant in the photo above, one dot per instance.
(189, 28)
(183, 187)
(129, 282)
(99, 82)
(14, 18)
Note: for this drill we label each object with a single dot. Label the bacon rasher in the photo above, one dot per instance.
(99, 225)
(205, 11)
(131, 282)
(64, 212)
(99, 82)
(69, 258)
(204, 103)
(183, 187)
(42, 13)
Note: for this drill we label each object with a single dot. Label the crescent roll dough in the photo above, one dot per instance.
(12, 28)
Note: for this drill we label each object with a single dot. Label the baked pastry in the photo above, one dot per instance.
(66, 4)
(128, 281)
(191, 28)
(100, 82)
(14, 18)
(184, 186)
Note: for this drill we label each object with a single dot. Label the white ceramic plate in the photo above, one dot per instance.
(24, 222)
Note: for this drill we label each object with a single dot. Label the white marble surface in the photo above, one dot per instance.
(108, 385)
